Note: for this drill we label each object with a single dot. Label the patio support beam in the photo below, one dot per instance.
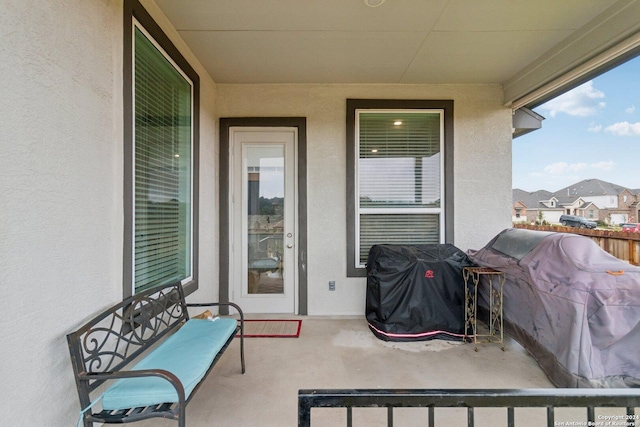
(600, 45)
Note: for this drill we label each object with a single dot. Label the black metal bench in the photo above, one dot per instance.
(102, 350)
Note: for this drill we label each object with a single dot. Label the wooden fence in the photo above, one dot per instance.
(622, 245)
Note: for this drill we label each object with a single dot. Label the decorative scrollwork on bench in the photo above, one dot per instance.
(118, 335)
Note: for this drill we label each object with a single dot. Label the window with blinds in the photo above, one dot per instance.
(162, 206)
(398, 178)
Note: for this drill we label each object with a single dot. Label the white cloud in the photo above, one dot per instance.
(585, 100)
(594, 127)
(561, 168)
(556, 168)
(631, 109)
(605, 166)
(624, 129)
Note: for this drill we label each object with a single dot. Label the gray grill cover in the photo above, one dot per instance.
(573, 306)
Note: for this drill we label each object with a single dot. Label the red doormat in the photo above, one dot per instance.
(272, 328)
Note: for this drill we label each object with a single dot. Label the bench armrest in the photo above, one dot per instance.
(166, 375)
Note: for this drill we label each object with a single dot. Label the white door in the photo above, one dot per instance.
(263, 237)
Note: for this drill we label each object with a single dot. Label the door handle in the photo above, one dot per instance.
(290, 245)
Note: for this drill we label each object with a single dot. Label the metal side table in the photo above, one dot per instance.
(472, 276)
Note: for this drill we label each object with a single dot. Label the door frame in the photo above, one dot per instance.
(224, 192)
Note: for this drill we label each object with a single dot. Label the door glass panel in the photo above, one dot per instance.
(264, 185)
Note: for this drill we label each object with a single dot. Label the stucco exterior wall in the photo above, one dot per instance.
(62, 192)
(61, 172)
(482, 168)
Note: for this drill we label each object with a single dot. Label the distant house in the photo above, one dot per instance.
(519, 213)
(590, 211)
(634, 207)
(591, 198)
(530, 206)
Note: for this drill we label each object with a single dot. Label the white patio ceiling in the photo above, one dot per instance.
(400, 41)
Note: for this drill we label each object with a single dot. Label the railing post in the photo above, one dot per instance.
(550, 416)
(511, 421)
(304, 411)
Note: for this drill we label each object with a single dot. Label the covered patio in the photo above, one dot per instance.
(70, 245)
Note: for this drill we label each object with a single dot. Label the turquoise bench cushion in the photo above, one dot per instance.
(187, 354)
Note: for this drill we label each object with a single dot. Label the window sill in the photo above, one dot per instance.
(356, 272)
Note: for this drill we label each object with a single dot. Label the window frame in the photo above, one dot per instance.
(355, 105)
(134, 13)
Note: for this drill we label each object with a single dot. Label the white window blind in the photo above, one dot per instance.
(399, 178)
(162, 168)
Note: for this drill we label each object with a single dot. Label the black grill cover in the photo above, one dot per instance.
(416, 293)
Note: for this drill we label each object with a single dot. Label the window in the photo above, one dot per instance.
(400, 175)
(161, 94)
(518, 212)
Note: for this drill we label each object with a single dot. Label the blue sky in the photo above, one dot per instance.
(593, 131)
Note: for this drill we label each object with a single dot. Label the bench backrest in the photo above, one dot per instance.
(117, 336)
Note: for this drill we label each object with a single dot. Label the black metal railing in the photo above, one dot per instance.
(590, 399)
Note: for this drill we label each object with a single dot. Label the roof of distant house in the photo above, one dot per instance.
(530, 199)
(570, 194)
(590, 188)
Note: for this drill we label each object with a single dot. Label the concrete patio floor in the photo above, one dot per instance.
(342, 353)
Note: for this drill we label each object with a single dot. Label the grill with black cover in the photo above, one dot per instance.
(416, 292)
